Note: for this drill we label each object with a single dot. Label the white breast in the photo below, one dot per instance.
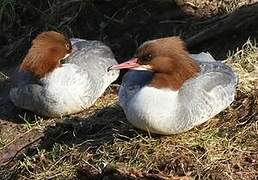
(69, 87)
(154, 109)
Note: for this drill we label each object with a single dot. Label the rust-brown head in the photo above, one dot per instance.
(46, 52)
(167, 58)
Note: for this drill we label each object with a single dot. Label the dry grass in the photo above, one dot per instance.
(208, 8)
(245, 63)
(3, 77)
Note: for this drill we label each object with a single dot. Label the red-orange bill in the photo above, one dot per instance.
(132, 63)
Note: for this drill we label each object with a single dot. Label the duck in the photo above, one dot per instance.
(61, 76)
(169, 91)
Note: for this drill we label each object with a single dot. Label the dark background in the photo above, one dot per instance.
(123, 25)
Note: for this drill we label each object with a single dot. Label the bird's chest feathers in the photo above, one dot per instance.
(150, 101)
(64, 80)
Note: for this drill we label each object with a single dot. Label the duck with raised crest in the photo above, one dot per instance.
(59, 76)
(169, 91)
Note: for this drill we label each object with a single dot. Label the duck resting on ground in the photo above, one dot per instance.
(53, 84)
(169, 91)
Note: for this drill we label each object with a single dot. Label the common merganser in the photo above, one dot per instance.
(168, 91)
(51, 84)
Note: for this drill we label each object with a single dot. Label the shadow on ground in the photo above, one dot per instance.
(95, 130)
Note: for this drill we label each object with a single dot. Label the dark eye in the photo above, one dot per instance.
(63, 61)
(146, 57)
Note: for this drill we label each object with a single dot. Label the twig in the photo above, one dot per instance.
(12, 152)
